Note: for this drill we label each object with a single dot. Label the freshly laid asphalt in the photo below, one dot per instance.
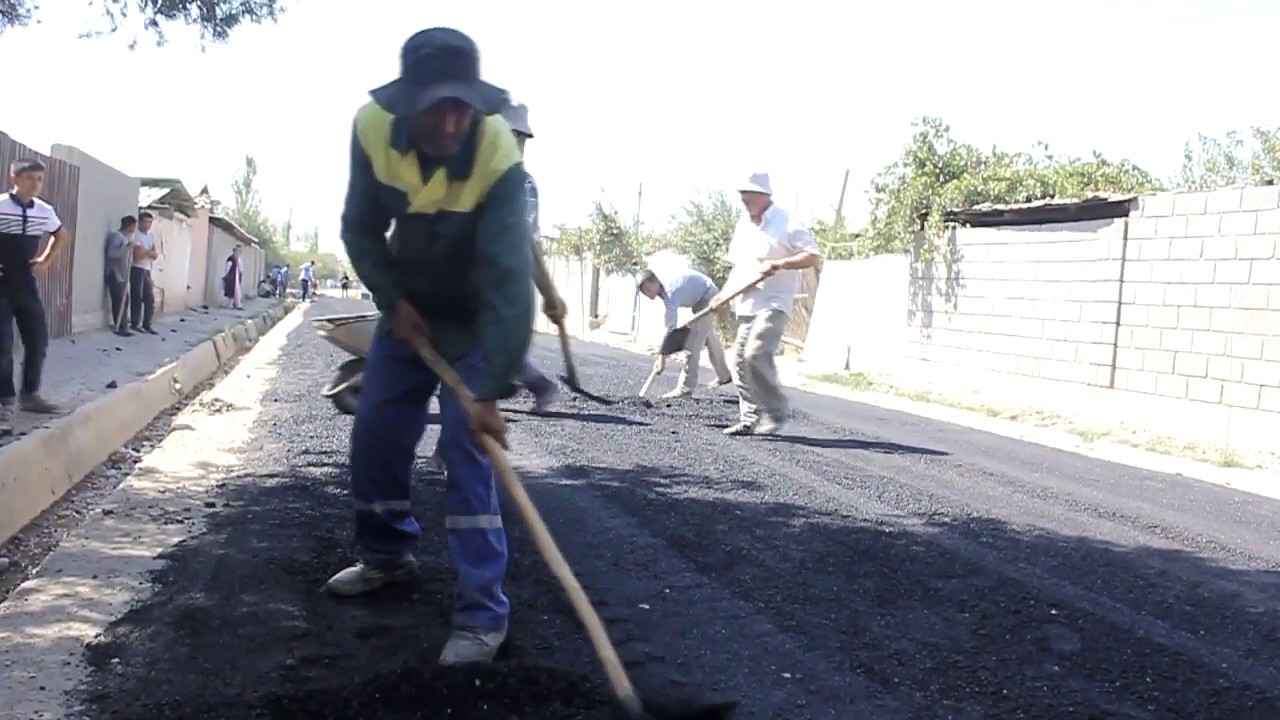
(864, 564)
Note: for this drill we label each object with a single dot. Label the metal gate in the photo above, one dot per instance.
(61, 190)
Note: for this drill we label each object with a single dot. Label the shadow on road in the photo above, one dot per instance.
(888, 448)
(586, 417)
(969, 617)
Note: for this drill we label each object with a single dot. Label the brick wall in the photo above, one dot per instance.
(1035, 300)
(1180, 300)
(1200, 313)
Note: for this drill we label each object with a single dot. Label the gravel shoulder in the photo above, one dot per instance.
(866, 564)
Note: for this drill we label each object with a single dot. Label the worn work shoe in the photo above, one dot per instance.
(677, 394)
(719, 383)
(543, 400)
(361, 578)
(742, 428)
(33, 403)
(769, 425)
(468, 645)
(6, 419)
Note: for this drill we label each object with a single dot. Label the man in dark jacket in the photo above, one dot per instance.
(429, 154)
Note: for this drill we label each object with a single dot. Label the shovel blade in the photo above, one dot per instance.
(579, 390)
(675, 341)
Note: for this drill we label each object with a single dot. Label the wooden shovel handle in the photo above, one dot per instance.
(725, 300)
(623, 689)
(569, 370)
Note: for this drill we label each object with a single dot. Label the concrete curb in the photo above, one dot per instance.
(40, 468)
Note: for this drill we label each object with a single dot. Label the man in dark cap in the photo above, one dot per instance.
(431, 154)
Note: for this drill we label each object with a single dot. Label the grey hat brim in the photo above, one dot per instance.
(402, 98)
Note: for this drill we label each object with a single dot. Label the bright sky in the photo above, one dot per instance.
(678, 95)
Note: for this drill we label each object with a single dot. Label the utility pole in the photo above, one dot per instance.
(844, 185)
(639, 198)
(288, 231)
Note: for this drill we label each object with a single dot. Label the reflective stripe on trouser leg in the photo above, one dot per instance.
(474, 522)
(390, 421)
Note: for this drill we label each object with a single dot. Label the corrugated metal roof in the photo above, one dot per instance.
(166, 192)
(148, 196)
(1044, 212)
(229, 226)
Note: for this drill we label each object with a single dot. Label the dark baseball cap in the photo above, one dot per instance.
(435, 64)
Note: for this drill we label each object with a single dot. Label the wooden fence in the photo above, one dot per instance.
(62, 191)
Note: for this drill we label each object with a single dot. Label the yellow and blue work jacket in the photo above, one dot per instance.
(460, 251)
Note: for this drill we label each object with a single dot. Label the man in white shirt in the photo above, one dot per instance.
(142, 294)
(769, 241)
(307, 279)
(688, 288)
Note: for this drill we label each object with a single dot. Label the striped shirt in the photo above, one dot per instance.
(22, 227)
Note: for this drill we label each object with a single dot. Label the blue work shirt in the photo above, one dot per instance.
(685, 288)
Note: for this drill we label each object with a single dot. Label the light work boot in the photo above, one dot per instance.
(740, 428)
(677, 394)
(363, 578)
(769, 425)
(470, 645)
(6, 419)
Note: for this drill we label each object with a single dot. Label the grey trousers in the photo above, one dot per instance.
(757, 378)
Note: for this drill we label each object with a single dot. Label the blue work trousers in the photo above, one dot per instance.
(389, 424)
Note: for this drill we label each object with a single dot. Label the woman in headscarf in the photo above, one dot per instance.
(232, 276)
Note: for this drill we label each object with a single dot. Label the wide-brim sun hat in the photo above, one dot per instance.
(436, 64)
(757, 183)
(517, 116)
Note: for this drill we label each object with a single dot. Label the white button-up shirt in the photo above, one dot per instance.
(778, 236)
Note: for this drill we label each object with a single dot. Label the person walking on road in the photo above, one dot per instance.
(306, 279)
(346, 285)
(233, 279)
(429, 154)
(142, 293)
(692, 289)
(543, 388)
(768, 241)
(119, 259)
(25, 219)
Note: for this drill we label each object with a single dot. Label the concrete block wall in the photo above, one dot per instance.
(106, 195)
(1037, 300)
(1200, 311)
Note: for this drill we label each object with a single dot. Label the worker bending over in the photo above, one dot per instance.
(691, 289)
(428, 155)
(771, 242)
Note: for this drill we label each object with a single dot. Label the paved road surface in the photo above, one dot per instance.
(867, 564)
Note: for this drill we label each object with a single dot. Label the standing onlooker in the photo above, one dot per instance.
(769, 241)
(233, 278)
(307, 278)
(284, 280)
(694, 290)
(142, 294)
(346, 285)
(119, 254)
(24, 221)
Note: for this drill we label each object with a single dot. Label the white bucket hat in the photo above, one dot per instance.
(517, 116)
(758, 182)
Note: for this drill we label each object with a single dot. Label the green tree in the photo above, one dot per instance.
(836, 241)
(702, 231)
(310, 241)
(1231, 160)
(611, 245)
(246, 211)
(937, 173)
(214, 19)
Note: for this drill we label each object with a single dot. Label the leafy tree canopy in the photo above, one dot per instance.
(1231, 160)
(214, 19)
(937, 173)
